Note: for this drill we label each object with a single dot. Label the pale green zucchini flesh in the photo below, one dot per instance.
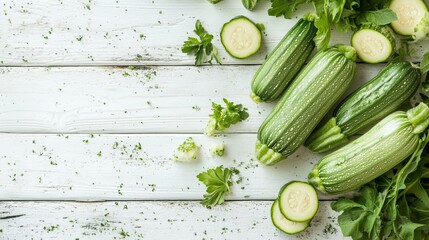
(281, 66)
(412, 18)
(374, 44)
(283, 224)
(310, 96)
(395, 84)
(241, 37)
(388, 143)
(298, 201)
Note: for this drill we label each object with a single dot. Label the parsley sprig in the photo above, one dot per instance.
(218, 182)
(202, 48)
(223, 117)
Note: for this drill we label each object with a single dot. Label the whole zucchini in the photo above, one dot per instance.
(284, 62)
(389, 89)
(388, 143)
(314, 91)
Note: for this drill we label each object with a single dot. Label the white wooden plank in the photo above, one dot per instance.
(113, 167)
(111, 32)
(120, 100)
(153, 220)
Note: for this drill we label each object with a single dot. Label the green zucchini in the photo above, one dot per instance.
(373, 43)
(314, 91)
(298, 201)
(413, 18)
(283, 224)
(240, 37)
(284, 62)
(387, 144)
(389, 89)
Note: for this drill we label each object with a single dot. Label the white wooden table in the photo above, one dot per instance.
(86, 142)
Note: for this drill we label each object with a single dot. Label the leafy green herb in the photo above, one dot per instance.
(249, 4)
(379, 17)
(424, 64)
(223, 118)
(345, 15)
(393, 206)
(218, 182)
(285, 7)
(201, 48)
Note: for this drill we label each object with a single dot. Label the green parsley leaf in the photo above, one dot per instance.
(285, 7)
(222, 118)
(379, 17)
(424, 65)
(322, 24)
(214, 1)
(218, 182)
(249, 4)
(201, 47)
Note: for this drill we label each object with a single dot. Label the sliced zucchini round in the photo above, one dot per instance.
(241, 37)
(374, 44)
(283, 224)
(413, 18)
(298, 201)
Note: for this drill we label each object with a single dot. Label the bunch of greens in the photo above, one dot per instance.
(393, 206)
(218, 182)
(223, 118)
(344, 15)
(201, 48)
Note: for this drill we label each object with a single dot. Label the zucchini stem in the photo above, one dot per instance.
(326, 138)
(419, 117)
(255, 98)
(314, 179)
(348, 51)
(266, 155)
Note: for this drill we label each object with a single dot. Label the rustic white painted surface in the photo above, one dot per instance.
(120, 100)
(134, 167)
(114, 32)
(47, 115)
(152, 220)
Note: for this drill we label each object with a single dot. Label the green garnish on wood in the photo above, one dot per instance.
(202, 48)
(218, 182)
(223, 117)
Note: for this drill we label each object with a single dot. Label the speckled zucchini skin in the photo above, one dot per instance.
(314, 91)
(284, 62)
(389, 89)
(387, 144)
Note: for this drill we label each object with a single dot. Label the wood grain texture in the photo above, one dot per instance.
(121, 100)
(135, 167)
(128, 32)
(153, 220)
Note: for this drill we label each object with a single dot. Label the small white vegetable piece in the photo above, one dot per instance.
(218, 149)
(241, 37)
(413, 18)
(187, 151)
(298, 201)
(283, 224)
